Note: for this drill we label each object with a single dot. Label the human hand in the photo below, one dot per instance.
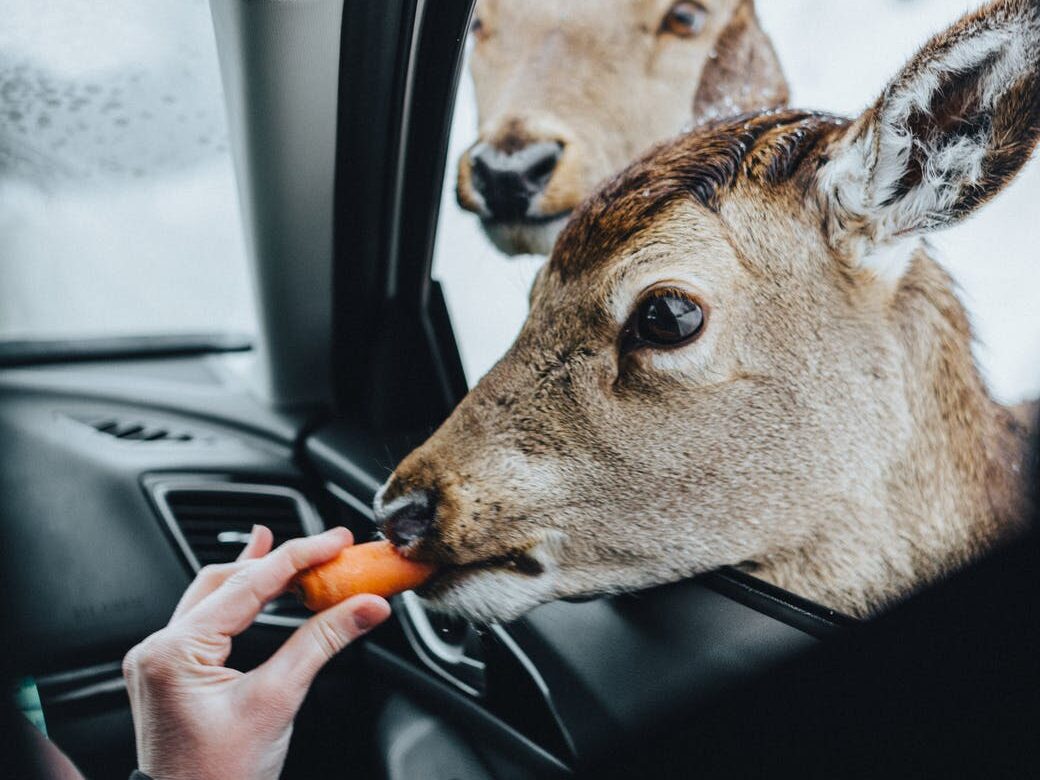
(195, 718)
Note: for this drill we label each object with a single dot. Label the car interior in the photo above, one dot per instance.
(129, 462)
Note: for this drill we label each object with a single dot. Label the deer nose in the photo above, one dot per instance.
(407, 518)
(509, 181)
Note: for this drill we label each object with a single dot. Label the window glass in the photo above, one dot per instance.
(118, 207)
(863, 46)
(486, 291)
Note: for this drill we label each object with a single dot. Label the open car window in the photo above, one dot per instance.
(486, 289)
(119, 212)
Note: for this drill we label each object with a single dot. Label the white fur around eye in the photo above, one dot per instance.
(676, 360)
(693, 359)
(633, 289)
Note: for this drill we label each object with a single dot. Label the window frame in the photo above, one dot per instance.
(395, 363)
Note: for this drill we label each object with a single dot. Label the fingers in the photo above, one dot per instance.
(261, 540)
(233, 606)
(206, 581)
(213, 576)
(288, 674)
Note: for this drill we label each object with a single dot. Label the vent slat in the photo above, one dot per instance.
(210, 535)
(134, 430)
(289, 528)
(201, 515)
(202, 540)
(235, 512)
(230, 501)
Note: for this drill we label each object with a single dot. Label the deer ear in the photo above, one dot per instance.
(948, 133)
(743, 74)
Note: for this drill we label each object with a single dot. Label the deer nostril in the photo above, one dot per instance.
(408, 518)
(509, 181)
(481, 170)
(543, 161)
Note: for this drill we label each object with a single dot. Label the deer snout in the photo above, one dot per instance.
(509, 181)
(406, 519)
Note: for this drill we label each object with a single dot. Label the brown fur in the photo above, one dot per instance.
(602, 78)
(828, 429)
(743, 73)
(702, 165)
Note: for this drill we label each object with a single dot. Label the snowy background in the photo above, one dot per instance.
(118, 211)
(118, 206)
(838, 55)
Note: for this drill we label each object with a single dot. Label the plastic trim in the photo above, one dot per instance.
(34, 352)
(159, 489)
(434, 652)
(779, 604)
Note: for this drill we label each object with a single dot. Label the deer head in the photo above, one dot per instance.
(568, 93)
(741, 353)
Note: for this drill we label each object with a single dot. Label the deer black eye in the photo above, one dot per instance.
(476, 26)
(667, 319)
(685, 19)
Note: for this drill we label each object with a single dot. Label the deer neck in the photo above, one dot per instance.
(957, 489)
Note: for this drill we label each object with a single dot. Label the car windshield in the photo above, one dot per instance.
(118, 208)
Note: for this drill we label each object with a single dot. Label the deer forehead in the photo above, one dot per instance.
(531, 17)
(596, 52)
(752, 159)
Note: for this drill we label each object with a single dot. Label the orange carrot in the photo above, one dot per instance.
(374, 567)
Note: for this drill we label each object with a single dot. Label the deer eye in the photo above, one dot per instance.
(685, 19)
(476, 26)
(665, 318)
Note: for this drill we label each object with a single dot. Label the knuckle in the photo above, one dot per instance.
(130, 661)
(286, 561)
(295, 551)
(328, 638)
(240, 577)
(148, 658)
(246, 584)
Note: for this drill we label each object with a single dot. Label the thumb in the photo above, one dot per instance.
(287, 675)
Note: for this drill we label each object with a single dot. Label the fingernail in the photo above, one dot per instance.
(370, 615)
(254, 531)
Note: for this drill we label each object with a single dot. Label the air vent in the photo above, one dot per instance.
(211, 523)
(137, 430)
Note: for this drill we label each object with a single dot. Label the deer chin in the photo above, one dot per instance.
(488, 595)
(534, 236)
(495, 589)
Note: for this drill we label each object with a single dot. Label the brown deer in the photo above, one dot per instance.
(740, 352)
(570, 92)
